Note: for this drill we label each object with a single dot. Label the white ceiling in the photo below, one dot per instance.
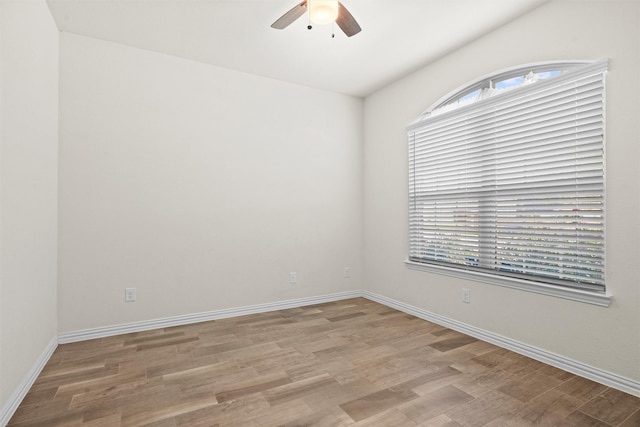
(398, 36)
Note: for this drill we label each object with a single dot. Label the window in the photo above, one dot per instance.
(506, 177)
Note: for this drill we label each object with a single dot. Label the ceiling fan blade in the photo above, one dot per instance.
(347, 22)
(287, 19)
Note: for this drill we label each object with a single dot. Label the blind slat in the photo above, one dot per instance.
(515, 185)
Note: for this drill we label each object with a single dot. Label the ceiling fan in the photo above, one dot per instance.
(321, 12)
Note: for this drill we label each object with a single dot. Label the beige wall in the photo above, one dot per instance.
(606, 338)
(28, 188)
(201, 187)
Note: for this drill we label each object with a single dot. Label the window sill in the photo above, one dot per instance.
(594, 298)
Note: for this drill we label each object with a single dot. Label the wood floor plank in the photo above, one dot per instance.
(391, 417)
(232, 413)
(277, 415)
(336, 394)
(580, 419)
(157, 414)
(345, 316)
(298, 389)
(549, 409)
(165, 343)
(526, 388)
(102, 411)
(484, 409)
(611, 406)
(101, 382)
(221, 347)
(332, 417)
(345, 363)
(633, 420)
(36, 395)
(453, 343)
(307, 367)
(431, 373)
(40, 413)
(186, 366)
(146, 339)
(481, 383)
(212, 381)
(581, 388)
(377, 402)
(75, 377)
(258, 386)
(144, 400)
(112, 390)
(435, 403)
(108, 421)
(61, 371)
(69, 419)
(441, 421)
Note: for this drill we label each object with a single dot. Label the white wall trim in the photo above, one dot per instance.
(588, 297)
(18, 395)
(87, 334)
(601, 376)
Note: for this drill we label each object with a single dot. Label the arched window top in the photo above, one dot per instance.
(498, 83)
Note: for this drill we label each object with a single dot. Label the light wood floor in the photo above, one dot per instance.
(347, 363)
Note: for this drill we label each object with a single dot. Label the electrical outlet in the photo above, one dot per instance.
(129, 294)
(347, 272)
(293, 278)
(466, 296)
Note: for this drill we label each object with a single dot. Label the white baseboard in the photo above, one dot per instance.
(14, 400)
(610, 379)
(627, 385)
(87, 334)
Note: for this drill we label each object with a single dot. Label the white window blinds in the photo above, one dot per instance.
(514, 185)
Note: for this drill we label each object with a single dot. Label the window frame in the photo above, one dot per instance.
(486, 81)
(596, 297)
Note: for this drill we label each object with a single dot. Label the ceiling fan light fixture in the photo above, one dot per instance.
(323, 11)
(320, 12)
